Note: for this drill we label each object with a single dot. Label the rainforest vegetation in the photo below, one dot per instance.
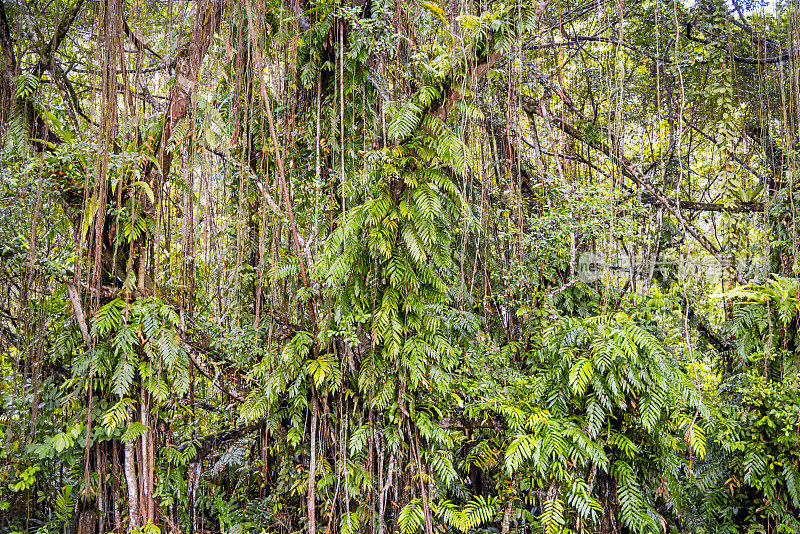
(385, 266)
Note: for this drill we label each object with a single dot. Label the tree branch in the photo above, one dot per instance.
(744, 207)
(187, 70)
(137, 42)
(532, 108)
(475, 74)
(700, 323)
(774, 154)
(49, 50)
(784, 56)
(80, 317)
(193, 351)
(207, 444)
(200, 366)
(731, 154)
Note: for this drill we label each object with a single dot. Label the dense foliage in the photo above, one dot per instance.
(382, 266)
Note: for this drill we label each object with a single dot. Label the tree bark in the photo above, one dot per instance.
(311, 501)
(187, 71)
(115, 489)
(131, 481)
(146, 471)
(9, 70)
(507, 517)
(193, 482)
(426, 508)
(80, 317)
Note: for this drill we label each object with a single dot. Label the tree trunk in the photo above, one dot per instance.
(115, 493)
(426, 509)
(100, 465)
(9, 68)
(192, 484)
(311, 501)
(87, 522)
(608, 494)
(146, 471)
(131, 481)
(507, 517)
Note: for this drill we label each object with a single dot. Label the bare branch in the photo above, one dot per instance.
(191, 350)
(744, 207)
(208, 444)
(137, 42)
(626, 167)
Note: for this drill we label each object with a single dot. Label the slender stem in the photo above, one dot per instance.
(278, 158)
